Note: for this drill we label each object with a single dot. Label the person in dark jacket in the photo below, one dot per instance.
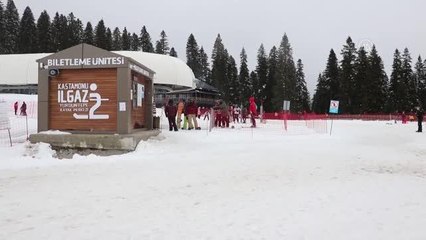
(23, 109)
(171, 111)
(419, 115)
(15, 107)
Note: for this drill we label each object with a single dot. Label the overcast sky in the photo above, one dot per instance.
(313, 26)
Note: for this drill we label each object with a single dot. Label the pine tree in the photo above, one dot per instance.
(321, 98)
(126, 40)
(420, 76)
(245, 85)
(108, 39)
(11, 28)
(193, 56)
(254, 84)
(100, 35)
(219, 62)
(205, 67)
(347, 89)
(397, 91)
(116, 40)
(135, 43)
(377, 85)
(285, 74)
(2, 29)
(88, 36)
(332, 77)
(361, 97)
(301, 100)
(75, 30)
(409, 81)
(146, 43)
(327, 86)
(270, 105)
(162, 45)
(173, 52)
(60, 34)
(27, 40)
(44, 34)
(232, 75)
(262, 74)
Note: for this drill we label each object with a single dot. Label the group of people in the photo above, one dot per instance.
(190, 113)
(23, 108)
(223, 114)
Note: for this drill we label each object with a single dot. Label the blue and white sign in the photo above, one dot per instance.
(334, 106)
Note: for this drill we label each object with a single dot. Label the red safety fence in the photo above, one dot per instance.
(312, 116)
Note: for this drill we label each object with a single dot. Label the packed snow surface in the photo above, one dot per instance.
(365, 181)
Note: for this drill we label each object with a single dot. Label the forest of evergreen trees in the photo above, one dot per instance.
(358, 81)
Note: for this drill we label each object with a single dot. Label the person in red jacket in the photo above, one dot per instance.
(253, 111)
(171, 111)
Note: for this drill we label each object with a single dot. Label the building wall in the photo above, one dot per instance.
(63, 102)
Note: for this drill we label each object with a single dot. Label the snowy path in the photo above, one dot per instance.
(367, 181)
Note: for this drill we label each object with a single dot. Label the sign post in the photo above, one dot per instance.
(334, 109)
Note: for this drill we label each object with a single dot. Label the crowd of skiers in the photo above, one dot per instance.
(223, 114)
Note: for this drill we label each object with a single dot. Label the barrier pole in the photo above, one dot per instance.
(26, 119)
(10, 137)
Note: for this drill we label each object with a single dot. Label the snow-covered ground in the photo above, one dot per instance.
(365, 181)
